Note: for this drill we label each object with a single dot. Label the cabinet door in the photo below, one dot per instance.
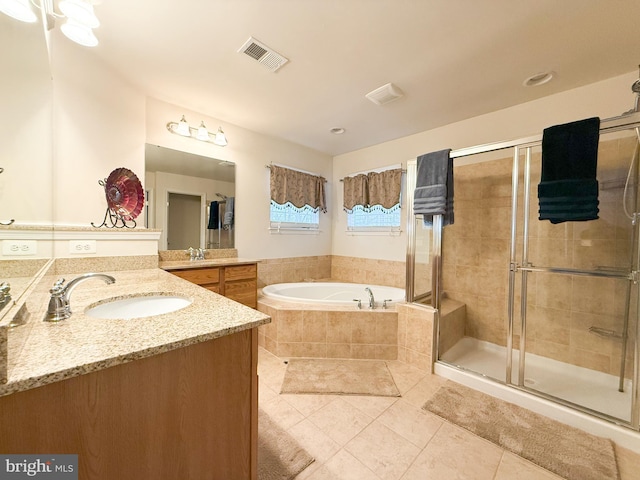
(242, 291)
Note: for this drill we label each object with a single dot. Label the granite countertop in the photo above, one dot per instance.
(43, 352)
(209, 262)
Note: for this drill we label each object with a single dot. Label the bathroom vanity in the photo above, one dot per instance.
(163, 397)
(234, 278)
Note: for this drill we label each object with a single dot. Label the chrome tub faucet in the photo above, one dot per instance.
(59, 303)
(372, 302)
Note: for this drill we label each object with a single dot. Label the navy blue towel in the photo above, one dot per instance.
(213, 216)
(568, 189)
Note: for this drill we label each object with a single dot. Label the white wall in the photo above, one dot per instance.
(101, 123)
(605, 99)
(98, 126)
(251, 152)
(25, 125)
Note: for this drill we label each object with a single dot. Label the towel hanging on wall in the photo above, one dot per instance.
(213, 216)
(568, 189)
(434, 186)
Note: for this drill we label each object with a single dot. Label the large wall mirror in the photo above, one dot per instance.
(26, 183)
(190, 198)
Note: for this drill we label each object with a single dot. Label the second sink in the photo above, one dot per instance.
(137, 306)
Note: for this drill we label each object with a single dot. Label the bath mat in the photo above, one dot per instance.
(280, 457)
(345, 377)
(561, 449)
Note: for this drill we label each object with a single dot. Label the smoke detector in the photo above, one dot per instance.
(263, 54)
(385, 94)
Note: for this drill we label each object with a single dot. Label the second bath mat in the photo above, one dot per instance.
(345, 377)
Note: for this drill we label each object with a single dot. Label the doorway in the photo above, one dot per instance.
(184, 217)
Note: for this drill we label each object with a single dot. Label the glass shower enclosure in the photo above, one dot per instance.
(550, 309)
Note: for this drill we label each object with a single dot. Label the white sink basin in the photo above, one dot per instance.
(138, 306)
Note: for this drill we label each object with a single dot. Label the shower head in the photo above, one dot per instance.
(635, 88)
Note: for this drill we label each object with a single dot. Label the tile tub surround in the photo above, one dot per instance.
(335, 267)
(50, 352)
(321, 331)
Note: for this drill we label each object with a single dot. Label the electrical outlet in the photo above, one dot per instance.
(12, 248)
(82, 246)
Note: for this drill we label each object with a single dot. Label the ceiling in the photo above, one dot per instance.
(453, 59)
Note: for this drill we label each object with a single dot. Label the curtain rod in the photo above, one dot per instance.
(296, 170)
(377, 171)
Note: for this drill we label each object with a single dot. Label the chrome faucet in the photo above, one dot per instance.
(372, 302)
(195, 253)
(5, 293)
(59, 306)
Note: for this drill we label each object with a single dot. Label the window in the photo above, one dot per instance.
(374, 218)
(292, 217)
(372, 201)
(296, 199)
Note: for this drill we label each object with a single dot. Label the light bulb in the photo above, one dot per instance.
(79, 33)
(183, 128)
(203, 133)
(18, 9)
(80, 11)
(220, 138)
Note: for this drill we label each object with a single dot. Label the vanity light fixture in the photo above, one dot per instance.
(201, 133)
(79, 15)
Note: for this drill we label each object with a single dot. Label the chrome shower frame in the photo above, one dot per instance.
(624, 122)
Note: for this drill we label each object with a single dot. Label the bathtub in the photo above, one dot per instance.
(321, 320)
(333, 293)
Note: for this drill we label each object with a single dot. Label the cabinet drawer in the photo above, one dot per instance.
(199, 276)
(239, 272)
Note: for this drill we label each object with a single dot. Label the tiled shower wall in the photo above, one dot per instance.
(560, 308)
(331, 267)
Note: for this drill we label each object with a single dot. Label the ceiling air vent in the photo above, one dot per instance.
(384, 94)
(263, 54)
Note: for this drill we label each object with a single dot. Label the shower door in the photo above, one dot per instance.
(573, 292)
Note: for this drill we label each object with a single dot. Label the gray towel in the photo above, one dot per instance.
(229, 213)
(434, 186)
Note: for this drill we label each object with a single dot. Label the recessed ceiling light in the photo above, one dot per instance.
(538, 79)
(337, 130)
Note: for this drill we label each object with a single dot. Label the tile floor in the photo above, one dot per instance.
(369, 438)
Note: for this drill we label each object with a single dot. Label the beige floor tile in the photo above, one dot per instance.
(411, 422)
(454, 453)
(513, 467)
(265, 392)
(370, 405)
(282, 413)
(340, 420)
(319, 445)
(424, 390)
(383, 451)
(405, 376)
(272, 376)
(307, 404)
(343, 466)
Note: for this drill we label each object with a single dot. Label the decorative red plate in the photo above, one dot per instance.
(124, 192)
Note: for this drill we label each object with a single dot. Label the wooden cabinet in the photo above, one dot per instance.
(237, 282)
(187, 413)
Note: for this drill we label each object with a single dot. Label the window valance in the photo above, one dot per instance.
(297, 188)
(374, 188)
